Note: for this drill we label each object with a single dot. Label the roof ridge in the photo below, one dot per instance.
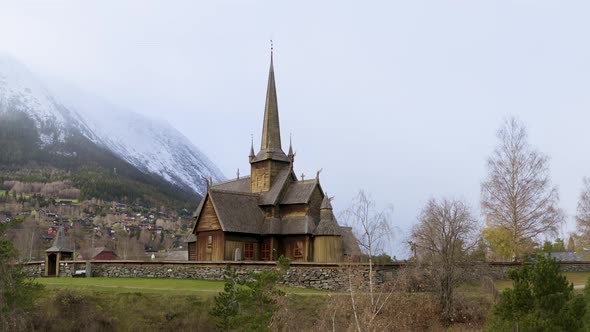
(234, 192)
(307, 181)
(232, 180)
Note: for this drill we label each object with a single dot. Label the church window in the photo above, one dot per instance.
(298, 252)
(249, 251)
(265, 251)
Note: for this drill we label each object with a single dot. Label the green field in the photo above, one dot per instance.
(153, 285)
(74, 201)
(147, 304)
(577, 278)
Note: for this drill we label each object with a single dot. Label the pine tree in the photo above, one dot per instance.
(541, 300)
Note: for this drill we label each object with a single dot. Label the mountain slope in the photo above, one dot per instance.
(153, 147)
(73, 130)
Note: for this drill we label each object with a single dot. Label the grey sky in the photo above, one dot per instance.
(400, 98)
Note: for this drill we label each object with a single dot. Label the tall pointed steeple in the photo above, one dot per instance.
(270, 147)
(290, 154)
(252, 155)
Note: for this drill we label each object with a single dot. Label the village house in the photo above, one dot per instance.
(270, 213)
(100, 253)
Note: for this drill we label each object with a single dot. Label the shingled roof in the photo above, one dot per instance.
(60, 242)
(300, 192)
(349, 242)
(328, 225)
(238, 185)
(271, 225)
(297, 225)
(271, 131)
(272, 196)
(237, 212)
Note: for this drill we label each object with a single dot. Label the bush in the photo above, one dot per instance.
(247, 305)
(68, 310)
(542, 300)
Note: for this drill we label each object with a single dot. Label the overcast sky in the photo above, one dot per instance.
(399, 98)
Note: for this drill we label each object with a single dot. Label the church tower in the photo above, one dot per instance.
(271, 158)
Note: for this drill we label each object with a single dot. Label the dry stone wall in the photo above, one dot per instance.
(308, 275)
(319, 276)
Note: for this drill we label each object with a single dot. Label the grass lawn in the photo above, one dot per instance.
(154, 285)
(577, 278)
(147, 304)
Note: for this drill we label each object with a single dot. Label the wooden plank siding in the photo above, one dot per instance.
(274, 248)
(327, 249)
(192, 251)
(288, 248)
(234, 241)
(260, 179)
(208, 220)
(295, 210)
(231, 246)
(210, 246)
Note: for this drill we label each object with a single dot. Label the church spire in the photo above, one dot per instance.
(252, 155)
(291, 155)
(271, 132)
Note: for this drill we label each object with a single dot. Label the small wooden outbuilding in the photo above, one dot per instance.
(58, 252)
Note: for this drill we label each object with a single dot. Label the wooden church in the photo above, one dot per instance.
(271, 212)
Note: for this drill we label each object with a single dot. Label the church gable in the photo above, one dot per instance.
(301, 192)
(207, 219)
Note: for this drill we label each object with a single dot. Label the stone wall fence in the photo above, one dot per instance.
(329, 276)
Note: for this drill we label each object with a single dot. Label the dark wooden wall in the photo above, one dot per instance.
(260, 177)
(287, 248)
(296, 210)
(192, 251)
(234, 241)
(210, 246)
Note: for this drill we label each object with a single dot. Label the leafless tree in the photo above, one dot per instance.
(372, 229)
(445, 232)
(583, 215)
(129, 247)
(25, 237)
(517, 195)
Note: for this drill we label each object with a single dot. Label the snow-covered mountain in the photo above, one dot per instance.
(60, 114)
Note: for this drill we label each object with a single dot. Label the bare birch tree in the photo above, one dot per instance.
(517, 195)
(373, 230)
(446, 231)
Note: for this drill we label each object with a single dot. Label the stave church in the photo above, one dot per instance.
(271, 212)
